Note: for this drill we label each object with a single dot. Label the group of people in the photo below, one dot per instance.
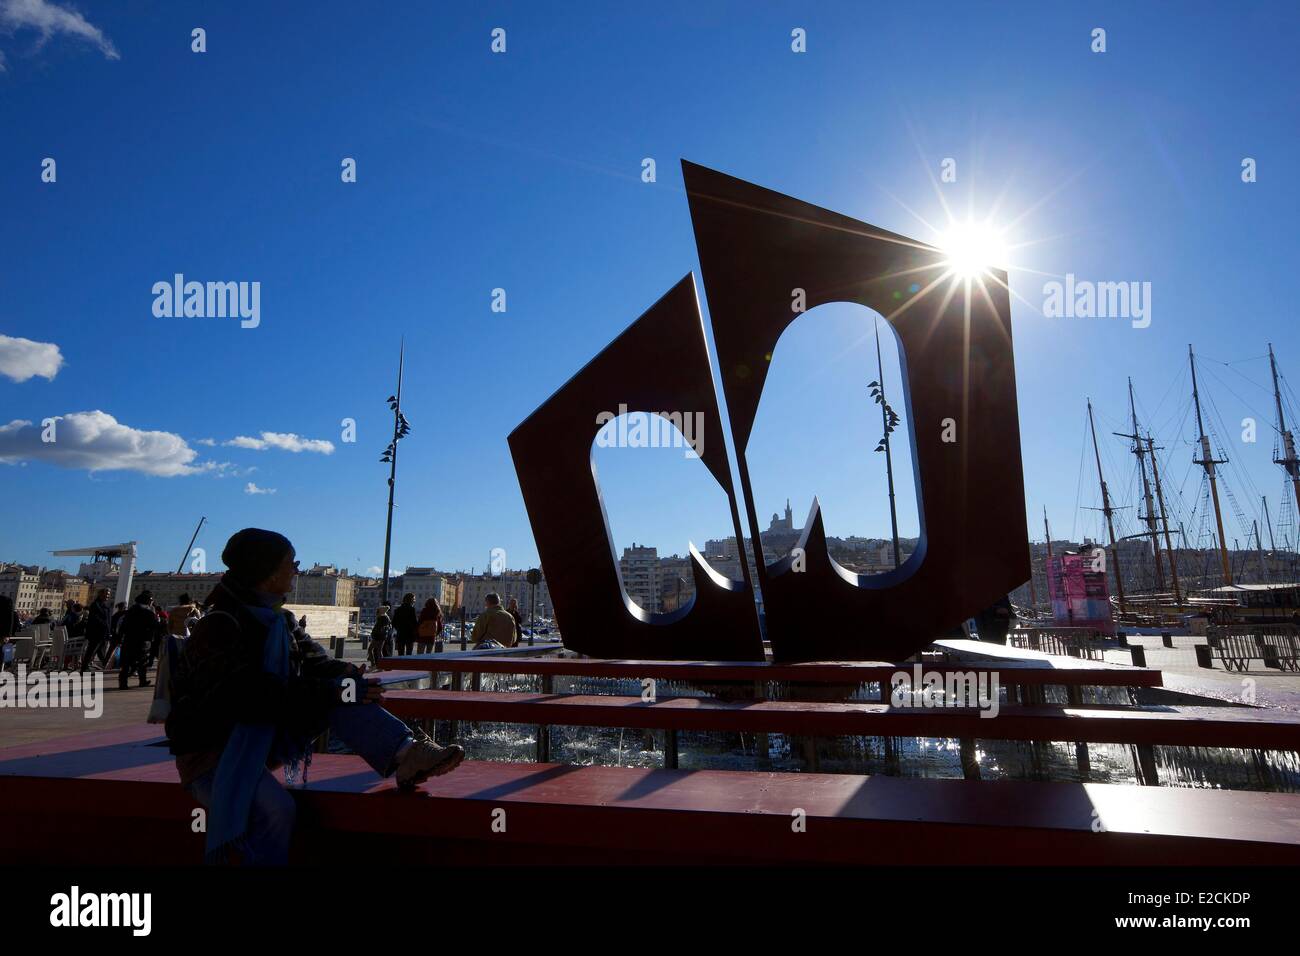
(409, 632)
(138, 631)
(248, 690)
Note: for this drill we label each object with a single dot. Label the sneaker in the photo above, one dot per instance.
(425, 759)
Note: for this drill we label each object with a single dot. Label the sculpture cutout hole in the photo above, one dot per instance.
(816, 434)
(659, 497)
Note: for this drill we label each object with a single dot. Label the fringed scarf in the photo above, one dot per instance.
(247, 751)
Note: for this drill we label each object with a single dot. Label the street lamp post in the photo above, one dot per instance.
(401, 428)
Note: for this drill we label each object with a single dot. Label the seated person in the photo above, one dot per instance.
(249, 693)
(494, 625)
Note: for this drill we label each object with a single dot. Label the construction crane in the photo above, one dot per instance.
(126, 552)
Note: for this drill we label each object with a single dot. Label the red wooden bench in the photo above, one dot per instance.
(61, 797)
(1038, 671)
(1172, 726)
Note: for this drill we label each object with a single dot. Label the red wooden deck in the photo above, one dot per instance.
(62, 797)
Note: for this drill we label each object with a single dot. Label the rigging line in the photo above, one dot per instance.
(1263, 388)
(1236, 466)
(1245, 404)
(1288, 396)
(1170, 389)
(1078, 486)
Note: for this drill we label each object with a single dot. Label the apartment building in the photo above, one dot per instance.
(20, 584)
(324, 584)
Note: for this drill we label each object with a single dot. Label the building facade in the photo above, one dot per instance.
(508, 584)
(427, 583)
(642, 576)
(323, 584)
(20, 584)
(168, 586)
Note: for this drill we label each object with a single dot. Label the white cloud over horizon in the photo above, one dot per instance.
(284, 441)
(22, 359)
(50, 20)
(96, 441)
(252, 489)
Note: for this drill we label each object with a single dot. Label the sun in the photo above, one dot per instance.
(973, 249)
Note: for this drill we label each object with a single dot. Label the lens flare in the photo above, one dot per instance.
(973, 249)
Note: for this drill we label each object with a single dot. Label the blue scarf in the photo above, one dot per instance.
(247, 750)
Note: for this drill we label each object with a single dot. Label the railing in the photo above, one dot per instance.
(1277, 645)
(1081, 642)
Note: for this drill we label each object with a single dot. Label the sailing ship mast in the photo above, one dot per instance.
(1150, 517)
(1107, 510)
(1208, 461)
(1288, 461)
(1164, 517)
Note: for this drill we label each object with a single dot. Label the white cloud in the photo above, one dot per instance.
(374, 571)
(21, 359)
(284, 442)
(97, 441)
(49, 19)
(205, 441)
(252, 489)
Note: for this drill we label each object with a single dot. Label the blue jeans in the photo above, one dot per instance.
(376, 736)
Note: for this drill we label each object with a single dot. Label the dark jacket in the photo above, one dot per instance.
(97, 623)
(140, 626)
(8, 617)
(218, 679)
(405, 622)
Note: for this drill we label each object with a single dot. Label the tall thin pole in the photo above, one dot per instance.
(1208, 461)
(1064, 593)
(889, 461)
(1164, 517)
(1289, 462)
(1272, 545)
(392, 470)
(1150, 517)
(1107, 510)
(180, 568)
(1259, 548)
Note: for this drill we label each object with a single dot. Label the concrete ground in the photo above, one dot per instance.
(1259, 685)
(21, 725)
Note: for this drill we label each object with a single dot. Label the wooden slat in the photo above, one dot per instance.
(632, 815)
(1040, 669)
(1174, 726)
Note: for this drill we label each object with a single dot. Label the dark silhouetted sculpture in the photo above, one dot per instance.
(659, 364)
(756, 248)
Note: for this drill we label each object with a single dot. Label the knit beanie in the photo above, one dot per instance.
(252, 555)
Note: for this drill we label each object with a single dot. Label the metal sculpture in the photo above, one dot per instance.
(658, 364)
(758, 248)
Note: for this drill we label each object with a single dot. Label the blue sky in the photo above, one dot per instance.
(522, 171)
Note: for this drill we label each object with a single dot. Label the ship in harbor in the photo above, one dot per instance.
(1173, 553)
